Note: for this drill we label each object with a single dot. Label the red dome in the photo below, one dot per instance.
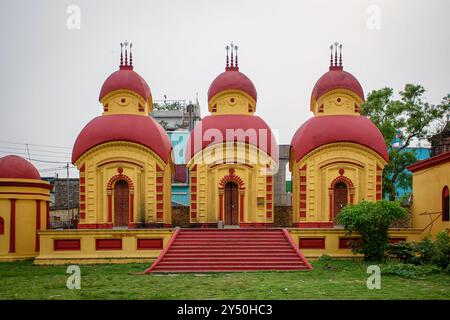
(220, 123)
(319, 131)
(126, 78)
(232, 79)
(336, 78)
(143, 130)
(15, 167)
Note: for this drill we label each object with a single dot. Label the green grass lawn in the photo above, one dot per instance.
(337, 279)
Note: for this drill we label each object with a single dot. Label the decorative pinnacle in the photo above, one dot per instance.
(232, 59)
(126, 63)
(335, 60)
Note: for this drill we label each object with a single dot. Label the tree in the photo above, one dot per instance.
(372, 220)
(410, 118)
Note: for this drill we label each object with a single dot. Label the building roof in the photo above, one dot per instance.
(15, 167)
(140, 129)
(430, 162)
(226, 125)
(125, 79)
(322, 130)
(232, 79)
(336, 78)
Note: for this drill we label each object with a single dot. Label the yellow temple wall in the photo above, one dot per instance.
(249, 165)
(315, 242)
(323, 165)
(27, 198)
(100, 164)
(426, 207)
(101, 246)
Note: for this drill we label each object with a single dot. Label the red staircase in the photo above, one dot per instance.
(225, 250)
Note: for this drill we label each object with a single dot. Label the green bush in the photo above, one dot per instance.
(423, 252)
(403, 252)
(372, 221)
(442, 251)
(409, 271)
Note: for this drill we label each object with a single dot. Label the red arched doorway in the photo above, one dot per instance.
(121, 203)
(231, 203)
(445, 204)
(340, 193)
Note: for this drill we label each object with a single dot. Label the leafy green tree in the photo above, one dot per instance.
(371, 220)
(409, 118)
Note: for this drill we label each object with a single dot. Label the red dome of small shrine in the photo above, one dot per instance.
(226, 125)
(126, 78)
(336, 78)
(232, 78)
(319, 131)
(15, 167)
(140, 129)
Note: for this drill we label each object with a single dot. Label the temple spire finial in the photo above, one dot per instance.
(121, 54)
(126, 57)
(335, 59)
(232, 63)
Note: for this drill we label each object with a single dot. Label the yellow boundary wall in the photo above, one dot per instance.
(89, 251)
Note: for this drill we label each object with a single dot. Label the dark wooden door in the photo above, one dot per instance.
(121, 203)
(231, 204)
(340, 197)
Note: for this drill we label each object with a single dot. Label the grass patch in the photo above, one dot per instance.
(330, 279)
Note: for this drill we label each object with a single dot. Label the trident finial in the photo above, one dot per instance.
(121, 54)
(232, 63)
(227, 64)
(335, 53)
(335, 61)
(131, 55)
(126, 63)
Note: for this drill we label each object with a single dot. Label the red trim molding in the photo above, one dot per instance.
(25, 184)
(307, 225)
(256, 224)
(2, 226)
(66, 245)
(302, 191)
(12, 227)
(47, 214)
(397, 239)
(95, 226)
(311, 243)
(149, 244)
(345, 243)
(430, 162)
(108, 244)
(38, 224)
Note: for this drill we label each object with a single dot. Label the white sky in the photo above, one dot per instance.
(51, 76)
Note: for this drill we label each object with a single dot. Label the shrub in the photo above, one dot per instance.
(410, 271)
(404, 252)
(424, 251)
(372, 221)
(442, 250)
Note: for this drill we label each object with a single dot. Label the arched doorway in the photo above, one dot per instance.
(231, 203)
(340, 193)
(121, 203)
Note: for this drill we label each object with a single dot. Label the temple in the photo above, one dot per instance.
(232, 155)
(126, 165)
(124, 157)
(337, 157)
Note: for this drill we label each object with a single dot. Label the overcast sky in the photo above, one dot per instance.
(51, 75)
